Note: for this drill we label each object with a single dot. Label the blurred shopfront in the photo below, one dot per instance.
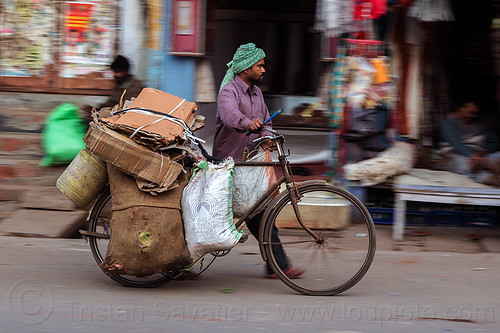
(182, 47)
(56, 46)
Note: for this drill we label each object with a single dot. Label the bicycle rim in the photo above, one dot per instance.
(100, 218)
(344, 251)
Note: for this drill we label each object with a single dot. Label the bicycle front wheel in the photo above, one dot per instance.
(335, 252)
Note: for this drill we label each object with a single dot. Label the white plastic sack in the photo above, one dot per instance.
(206, 209)
(396, 160)
(251, 183)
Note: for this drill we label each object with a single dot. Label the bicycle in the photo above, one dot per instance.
(323, 229)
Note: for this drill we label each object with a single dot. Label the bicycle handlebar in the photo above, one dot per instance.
(248, 132)
(267, 137)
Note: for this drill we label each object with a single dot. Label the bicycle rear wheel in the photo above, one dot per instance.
(344, 249)
(100, 218)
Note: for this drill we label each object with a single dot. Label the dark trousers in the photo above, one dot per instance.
(253, 225)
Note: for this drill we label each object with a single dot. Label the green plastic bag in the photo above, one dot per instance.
(62, 136)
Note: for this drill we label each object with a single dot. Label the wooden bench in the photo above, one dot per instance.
(424, 185)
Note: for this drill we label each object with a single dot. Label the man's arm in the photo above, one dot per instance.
(132, 88)
(451, 134)
(229, 113)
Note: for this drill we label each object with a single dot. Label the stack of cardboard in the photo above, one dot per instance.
(155, 119)
(142, 140)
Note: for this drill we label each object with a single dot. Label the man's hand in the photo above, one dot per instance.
(255, 125)
(267, 145)
(86, 112)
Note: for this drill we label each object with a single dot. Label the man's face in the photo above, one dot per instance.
(469, 112)
(256, 72)
(119, 76)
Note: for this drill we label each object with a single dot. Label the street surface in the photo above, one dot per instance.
(54, 285)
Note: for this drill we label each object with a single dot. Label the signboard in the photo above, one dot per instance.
(57, 46)
(188, 27)
(88, 33)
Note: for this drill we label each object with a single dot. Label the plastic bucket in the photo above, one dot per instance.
(83, 179)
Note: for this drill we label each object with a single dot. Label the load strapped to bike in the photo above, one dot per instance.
(149, 148)
(159, 203)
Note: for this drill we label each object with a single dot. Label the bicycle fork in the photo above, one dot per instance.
(295, 195)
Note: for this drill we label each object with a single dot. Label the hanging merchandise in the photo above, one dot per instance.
(369, 9)
(372, 157)
(405, 42)
(368, 100)
(337, 101)
(381, 71)
(360, 94)
(431, 10)
(334, 17)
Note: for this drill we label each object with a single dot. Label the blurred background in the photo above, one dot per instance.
(427, 55)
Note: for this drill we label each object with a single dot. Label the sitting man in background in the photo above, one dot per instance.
(467, 147)
(123, 81)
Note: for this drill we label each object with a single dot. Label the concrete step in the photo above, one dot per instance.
(22, 117)
(44, 223)
(24, 170)
(39, 211)
(23, 102)
(20, 144)
(46, 198)
(30, 205)
(33, 197)
(22, 121)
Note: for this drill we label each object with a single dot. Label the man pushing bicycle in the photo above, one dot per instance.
(241, 109)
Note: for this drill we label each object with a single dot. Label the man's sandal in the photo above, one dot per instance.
(292, 273)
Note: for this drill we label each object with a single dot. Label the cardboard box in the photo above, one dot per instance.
(154, 128)
(130, 157)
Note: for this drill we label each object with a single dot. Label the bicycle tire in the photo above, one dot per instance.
(343, 255)
(100, 217)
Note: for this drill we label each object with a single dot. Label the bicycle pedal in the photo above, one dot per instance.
(243, 238)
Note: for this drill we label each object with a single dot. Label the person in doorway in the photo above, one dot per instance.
(241, 108)
(467, 147)
(123, 81)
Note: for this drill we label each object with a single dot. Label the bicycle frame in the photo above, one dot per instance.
(266, 199)
(314, 232)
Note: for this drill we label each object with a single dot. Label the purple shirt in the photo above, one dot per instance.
(237, 105)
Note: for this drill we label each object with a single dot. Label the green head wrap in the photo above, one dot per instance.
(245, 57)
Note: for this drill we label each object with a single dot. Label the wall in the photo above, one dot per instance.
(178, 72)
(145, 40)
(131, 35)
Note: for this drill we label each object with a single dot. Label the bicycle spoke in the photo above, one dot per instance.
(345, 247)
(294, 242)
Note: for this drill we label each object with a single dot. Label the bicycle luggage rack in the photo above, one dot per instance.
(94, 234)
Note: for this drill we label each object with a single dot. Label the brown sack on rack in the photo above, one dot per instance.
(147, 234)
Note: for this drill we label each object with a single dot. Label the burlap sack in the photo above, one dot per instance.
(147, 235)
